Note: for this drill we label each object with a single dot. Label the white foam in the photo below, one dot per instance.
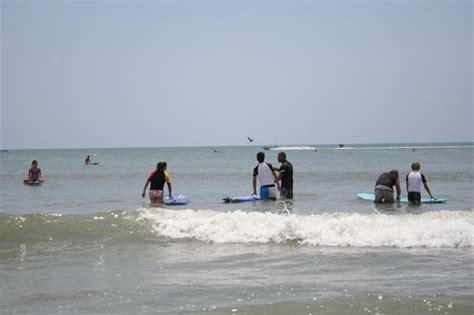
(404, 147)
(348, 147)
(433, 229)
(294, 148)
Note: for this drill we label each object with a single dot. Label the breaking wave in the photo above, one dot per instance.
(433, 229)
(443, 229)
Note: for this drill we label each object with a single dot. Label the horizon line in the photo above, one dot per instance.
(240, 145)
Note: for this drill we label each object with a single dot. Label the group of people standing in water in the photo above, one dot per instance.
(384, 186)
(270, 181)
(264, 172)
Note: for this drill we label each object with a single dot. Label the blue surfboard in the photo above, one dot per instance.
(178, 200)
(241, 199)
(371, 197)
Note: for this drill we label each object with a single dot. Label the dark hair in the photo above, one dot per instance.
(283, 154)
(415, 166)
(34, 162)
(159, 166)
(260, 157)
(393, 173)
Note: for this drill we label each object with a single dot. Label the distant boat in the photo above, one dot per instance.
(341, 145)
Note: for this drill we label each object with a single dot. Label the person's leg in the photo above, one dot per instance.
(418, 198)
(414, 198)
(151, 194)
(286, 193)
(156, 196)
(160, 196)
(379, 196)
(388, 196)
(272, 193)
(264, 193)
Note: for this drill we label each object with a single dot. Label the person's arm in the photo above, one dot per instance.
(144, 188)
(408, 190)
(169, 190)
(168, 183)
(276, 179)
(428, 190)
(280, 174)
(283, 169)
(397, 186)
(425, 183)
(254, 184)
(40, 175)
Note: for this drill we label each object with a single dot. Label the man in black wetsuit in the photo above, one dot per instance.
(286, 176)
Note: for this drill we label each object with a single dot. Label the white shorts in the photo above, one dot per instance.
(155, 194)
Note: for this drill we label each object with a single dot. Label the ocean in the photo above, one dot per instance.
(85, 242)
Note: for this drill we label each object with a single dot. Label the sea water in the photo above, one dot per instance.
(86, 242)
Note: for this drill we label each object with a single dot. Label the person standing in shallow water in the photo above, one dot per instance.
(267, 178)
(384, 187)
(156, 180)
(414, 180)
(285, 176)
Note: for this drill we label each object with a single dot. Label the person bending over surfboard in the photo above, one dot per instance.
(267, 178)
(414, 180)
(34, 173)
(157, 181)
(384, 187)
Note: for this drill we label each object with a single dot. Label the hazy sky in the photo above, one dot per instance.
(155, 73)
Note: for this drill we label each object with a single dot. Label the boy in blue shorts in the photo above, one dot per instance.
(267, 178)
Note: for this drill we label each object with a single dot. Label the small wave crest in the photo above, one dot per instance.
(48, 227)
(432, 229)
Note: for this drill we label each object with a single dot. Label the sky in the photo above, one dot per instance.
(100, 74)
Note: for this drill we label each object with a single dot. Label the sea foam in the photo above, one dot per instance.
(431, 229)
(292, 148)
